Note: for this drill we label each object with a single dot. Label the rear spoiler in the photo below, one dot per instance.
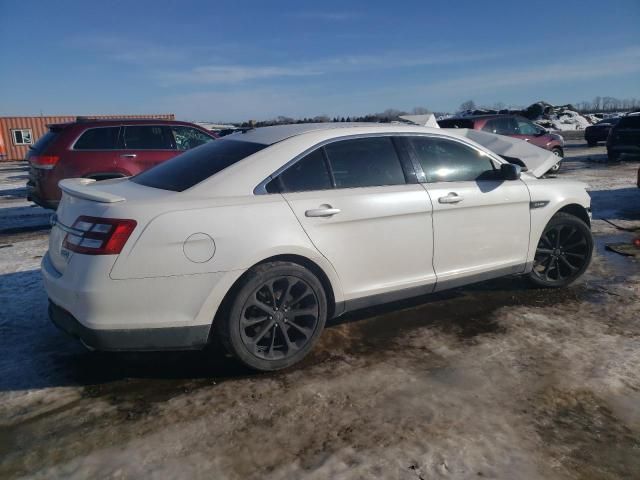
(85, 188)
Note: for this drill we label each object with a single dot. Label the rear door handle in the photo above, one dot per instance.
(451, 198)
(323, 211)
(128, 155)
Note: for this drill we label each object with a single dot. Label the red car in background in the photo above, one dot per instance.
(512, 126)
(103, 149)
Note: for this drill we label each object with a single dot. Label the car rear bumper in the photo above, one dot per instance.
(630, 149)
(134, 314)
(33, 196)
(141, 339)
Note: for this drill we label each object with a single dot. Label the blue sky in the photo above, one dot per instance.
(230, 61)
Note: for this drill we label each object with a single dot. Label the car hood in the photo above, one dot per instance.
(537, 160)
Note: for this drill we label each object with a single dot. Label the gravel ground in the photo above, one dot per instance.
(491, 381)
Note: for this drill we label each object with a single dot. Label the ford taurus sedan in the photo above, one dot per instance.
(260, 237)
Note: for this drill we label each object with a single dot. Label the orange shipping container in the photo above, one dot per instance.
(17, 133)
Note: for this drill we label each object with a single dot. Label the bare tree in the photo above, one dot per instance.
(420, 111)
(468, 105)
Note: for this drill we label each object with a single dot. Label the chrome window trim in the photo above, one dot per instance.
(261, 188)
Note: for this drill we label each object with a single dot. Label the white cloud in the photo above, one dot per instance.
(225, 74)
(574, 70)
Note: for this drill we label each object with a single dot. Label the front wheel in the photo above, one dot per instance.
(558, 153)
(275, 317)
(563, 253)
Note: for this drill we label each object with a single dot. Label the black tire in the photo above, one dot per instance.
(612, 156)
(592, 143)
(275, 317)
(563, 252)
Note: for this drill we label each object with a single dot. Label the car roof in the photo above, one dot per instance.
(278, 133)
(91, 122)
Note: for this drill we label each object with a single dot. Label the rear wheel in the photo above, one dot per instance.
(592, 143)
(563, 252)
(275, 317)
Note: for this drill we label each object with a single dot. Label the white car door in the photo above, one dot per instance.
(481, 222)
(353, 200)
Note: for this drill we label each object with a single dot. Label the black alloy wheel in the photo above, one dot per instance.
(276, 316)
(279, 318)
(563, 252)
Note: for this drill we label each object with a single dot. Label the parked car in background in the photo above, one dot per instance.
(260, 237)
(600, 131)
(512, 126)
(624, 137)
(103, 149)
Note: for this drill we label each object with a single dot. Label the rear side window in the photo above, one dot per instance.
(103, 138)
(629, 122)
(194, 166)
(148, 137)
(186, 138)
(456, 123)
(365, 162)
(308, 174)
(448, 161)
(44, 141)
(501, 126)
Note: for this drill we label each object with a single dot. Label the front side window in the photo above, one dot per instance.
(187, 138)
(148, 137)
(22, 136)
(525, 127)
(445, 160)
(194, 166)
(307, 174)
(104, 138)
(364, 162)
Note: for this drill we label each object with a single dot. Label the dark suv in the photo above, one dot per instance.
(512, 126)
(624, 137)
(103, 149)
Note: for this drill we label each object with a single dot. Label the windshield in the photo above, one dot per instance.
(196, 165)
(44, 141)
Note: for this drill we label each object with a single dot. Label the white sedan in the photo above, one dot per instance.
(262, 236)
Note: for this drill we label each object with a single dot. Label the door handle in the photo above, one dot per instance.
(323, 211)
(128, 155)
(451, 198)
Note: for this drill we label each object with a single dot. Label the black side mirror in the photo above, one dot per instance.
(509, 171)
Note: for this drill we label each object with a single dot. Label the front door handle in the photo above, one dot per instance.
(323, 211)
(451, 198)
(128, 155)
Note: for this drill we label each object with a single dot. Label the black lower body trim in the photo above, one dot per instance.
(140, 339)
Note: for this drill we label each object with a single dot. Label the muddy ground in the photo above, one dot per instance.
(496, 380)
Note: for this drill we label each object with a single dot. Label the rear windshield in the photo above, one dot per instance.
(196, 165)
(456, 123)
(44, 141)
(629, 122)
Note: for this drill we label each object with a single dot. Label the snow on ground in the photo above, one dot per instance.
(496, 380)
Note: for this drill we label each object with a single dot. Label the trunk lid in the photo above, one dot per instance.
(81, 196)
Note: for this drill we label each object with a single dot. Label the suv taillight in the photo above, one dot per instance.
(99, 236)
(44, 161)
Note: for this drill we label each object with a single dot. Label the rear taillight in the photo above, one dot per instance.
(44, 161)
(99, 236)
